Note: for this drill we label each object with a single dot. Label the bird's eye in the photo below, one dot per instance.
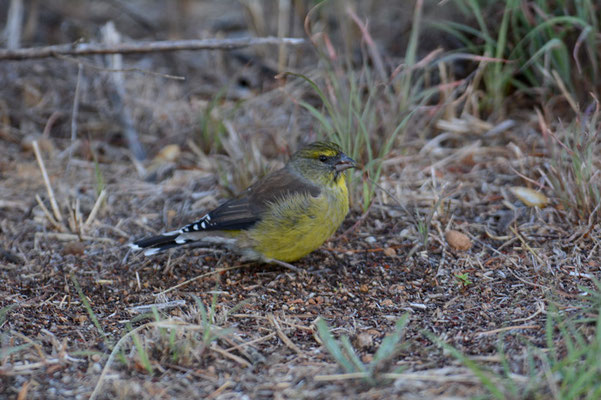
(323, 158)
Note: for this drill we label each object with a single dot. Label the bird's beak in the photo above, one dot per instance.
(344, 163)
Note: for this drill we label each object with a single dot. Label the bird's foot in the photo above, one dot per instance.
(285, 265)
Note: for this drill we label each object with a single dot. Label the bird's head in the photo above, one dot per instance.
(322, 162)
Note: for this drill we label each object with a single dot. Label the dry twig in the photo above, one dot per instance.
(54, 205)
(81, 49)
(95, 209)
(283, 336)
(229, 355)
(217, 271)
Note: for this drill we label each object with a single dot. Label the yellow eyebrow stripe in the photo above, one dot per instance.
(327, 153)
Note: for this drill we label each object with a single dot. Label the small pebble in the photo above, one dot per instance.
(458, 240)
(364, 341)
(387, 303)
(96, 368)
(74, 248)
(390, 252)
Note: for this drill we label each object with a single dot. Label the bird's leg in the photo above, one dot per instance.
(283, 264)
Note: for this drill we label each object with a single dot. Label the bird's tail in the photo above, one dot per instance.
(157, 244)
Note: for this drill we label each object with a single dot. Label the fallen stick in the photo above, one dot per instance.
(80, 49)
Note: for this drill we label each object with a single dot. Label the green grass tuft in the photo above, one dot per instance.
(525, 43)
(573, 171)
(347, 358)
(362, 108)
(568, 371)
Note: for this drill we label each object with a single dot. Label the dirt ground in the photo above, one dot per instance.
(361, 282)
(71, 292)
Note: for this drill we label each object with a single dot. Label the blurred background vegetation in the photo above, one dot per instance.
(374, 76)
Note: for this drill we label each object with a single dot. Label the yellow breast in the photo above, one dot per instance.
(296, 225)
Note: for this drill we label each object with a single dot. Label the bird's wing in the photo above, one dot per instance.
(246, 210)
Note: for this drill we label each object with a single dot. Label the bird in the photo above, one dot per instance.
(279, 219)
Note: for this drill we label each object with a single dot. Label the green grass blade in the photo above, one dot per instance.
(332, 346)
(89, 310)
(352, 356)
(391, 341)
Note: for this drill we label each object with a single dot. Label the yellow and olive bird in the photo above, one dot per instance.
(279, 219)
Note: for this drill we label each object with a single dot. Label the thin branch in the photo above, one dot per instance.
(80, 49)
